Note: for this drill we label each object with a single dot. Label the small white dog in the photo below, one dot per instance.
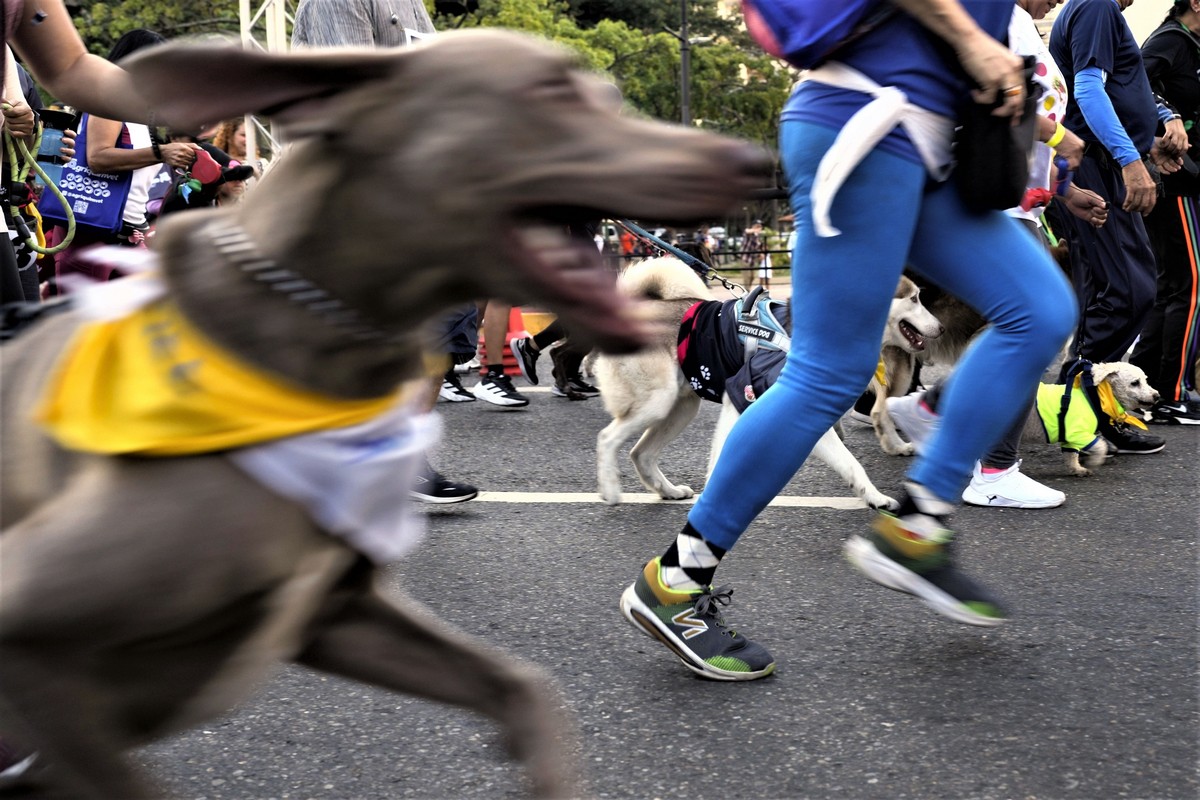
(1121, 390)
(648, 393)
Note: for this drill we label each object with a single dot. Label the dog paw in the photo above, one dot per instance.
(611, 496)
(680, 492)
(899, 449)
(878, 501)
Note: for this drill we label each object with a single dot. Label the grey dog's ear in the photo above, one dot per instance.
(188, 86)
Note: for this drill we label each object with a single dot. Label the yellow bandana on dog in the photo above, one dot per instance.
(150, 384)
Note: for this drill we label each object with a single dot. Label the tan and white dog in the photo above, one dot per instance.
(144, 591)
(912, 327)
(1122, 392)
(648, 395)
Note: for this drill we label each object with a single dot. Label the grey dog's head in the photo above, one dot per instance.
(460, 162)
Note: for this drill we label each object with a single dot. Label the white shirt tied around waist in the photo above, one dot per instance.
(930, 133)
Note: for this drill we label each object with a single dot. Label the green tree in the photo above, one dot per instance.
(100, 24)
(735, 88)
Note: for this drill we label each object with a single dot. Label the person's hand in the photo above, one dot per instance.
(1175, 140)
(998, 71)
(179, 154)
(1088, 206)
(1164, 161)
(1140, 190)
(19, 119)
(66, 150)
(1070, 148)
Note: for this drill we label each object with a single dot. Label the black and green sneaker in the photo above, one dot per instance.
(911, 553)
(691, 626)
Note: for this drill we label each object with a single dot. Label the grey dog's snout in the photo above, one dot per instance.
(752, 160)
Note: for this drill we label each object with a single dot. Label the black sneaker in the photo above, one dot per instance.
(452, 389)
(575, 389)
(433, 487)
(578, 384)
(499, 390)
(526, 357)
(911, 552)
(861, 411)
(1176, 412)
(1130, 440)
(691, 626)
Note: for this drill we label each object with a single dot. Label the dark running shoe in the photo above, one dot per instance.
(911, 552)
(578, 384)
(1176, 412)
(452, 389)
(499, 390)
(433, 487)
(691, 626)
(1130, 440)
(576, 389)
(526, 357)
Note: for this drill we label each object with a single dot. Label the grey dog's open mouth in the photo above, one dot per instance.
(912, 336)
(568, 274)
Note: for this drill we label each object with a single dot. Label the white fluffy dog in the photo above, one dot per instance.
(1077, 426)
(647, 393)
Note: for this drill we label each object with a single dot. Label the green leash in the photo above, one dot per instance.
(20, 173)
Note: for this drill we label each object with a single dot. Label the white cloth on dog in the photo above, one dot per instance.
(354, 481)
(930, 133)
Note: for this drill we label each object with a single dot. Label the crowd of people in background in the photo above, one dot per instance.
(1131, 116)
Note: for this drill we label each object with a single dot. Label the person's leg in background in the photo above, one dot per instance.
(12, 289)
(1115, 278)
(1167, 349)
(458, 338)
(495, 387)
(24, 257)
(848, 281)
(432, 486)
(996, 479)
(527, 349)
(567, 373)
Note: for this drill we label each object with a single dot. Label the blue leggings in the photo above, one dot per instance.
(890, 215)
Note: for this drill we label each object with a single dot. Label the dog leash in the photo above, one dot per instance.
(20, 173)
(699, 267)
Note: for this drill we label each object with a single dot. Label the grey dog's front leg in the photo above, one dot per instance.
(372, 639)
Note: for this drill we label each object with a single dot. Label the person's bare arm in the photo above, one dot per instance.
(993, 66)
(103, 155)
(51, 48)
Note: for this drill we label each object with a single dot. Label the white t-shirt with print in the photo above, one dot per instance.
(1024, 40)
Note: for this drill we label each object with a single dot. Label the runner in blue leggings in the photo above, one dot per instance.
(853, 240)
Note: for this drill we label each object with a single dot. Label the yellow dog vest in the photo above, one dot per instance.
(150, 384)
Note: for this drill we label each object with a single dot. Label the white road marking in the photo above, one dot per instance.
(786, 501)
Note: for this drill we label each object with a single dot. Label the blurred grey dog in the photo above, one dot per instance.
(141, 595)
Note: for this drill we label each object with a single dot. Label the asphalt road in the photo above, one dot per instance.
(1090, 692)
